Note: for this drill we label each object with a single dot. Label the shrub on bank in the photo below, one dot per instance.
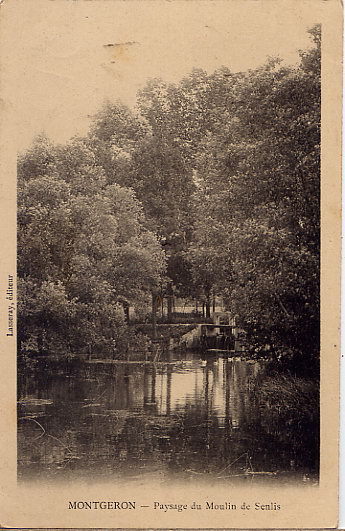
(289, 410)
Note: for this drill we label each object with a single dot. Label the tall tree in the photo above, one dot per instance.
(83, 250)
(261, 173)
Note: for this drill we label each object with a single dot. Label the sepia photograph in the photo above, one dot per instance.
(168, 274)
(167, 291)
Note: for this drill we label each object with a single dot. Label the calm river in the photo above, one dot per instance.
(183, 419)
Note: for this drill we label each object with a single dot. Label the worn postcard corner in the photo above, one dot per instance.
(170, 266)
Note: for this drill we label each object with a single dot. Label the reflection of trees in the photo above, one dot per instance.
(239, 405)
(169, 385)
(150, 402)
(112, 432)
(130, 418)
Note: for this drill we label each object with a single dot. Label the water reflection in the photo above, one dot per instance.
(181, 419)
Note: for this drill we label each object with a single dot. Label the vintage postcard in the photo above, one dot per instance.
(170, 263)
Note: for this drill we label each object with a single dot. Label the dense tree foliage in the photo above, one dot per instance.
(259, 194)
(219, 174)
(83, 251)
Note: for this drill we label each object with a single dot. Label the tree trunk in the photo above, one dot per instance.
(126, 311)
(40, 341)
(170, 301)
(208, 305)
(154, 315)
(208, 309)
(213, 303)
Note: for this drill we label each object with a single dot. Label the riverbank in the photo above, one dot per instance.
(165, 331)
(292, 406)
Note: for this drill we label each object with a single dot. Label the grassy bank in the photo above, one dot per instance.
(289, 411)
